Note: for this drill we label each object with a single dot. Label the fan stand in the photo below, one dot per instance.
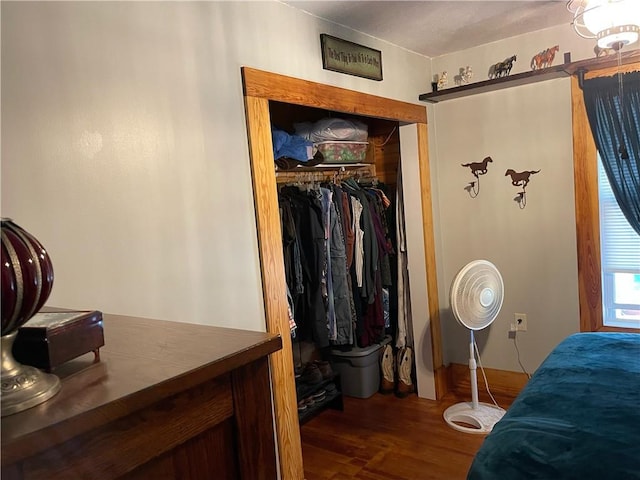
(482, 416)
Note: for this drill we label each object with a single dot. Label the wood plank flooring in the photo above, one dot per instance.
(388, 438)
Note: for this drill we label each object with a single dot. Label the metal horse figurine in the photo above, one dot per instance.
(477, 169)
(520, 178)
(544, 59)
(502, 69)
(600, 52)
(442, 80)
(464, 76)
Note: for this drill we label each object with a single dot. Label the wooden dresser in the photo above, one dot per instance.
(167, 400)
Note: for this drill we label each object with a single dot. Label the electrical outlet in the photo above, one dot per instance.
(519, 322)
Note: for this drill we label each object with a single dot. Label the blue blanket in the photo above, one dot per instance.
(577, 418)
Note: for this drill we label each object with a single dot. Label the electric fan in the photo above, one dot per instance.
(476, 299)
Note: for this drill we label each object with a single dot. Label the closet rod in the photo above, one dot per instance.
(334, 173)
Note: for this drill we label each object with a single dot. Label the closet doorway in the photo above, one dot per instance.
(261, 88)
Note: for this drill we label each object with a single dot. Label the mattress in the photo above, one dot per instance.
(577, 418)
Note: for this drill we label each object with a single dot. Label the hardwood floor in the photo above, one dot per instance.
(388, 438)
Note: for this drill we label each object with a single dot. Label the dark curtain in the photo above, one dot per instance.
(613, 108)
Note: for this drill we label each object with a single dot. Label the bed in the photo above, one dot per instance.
(577, 418)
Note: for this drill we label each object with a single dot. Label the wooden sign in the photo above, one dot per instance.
(347, 57)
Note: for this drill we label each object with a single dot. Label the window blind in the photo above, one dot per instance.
(619, 243)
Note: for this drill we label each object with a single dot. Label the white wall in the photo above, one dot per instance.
(524, 46)
(124, 150)
(124, 146)
(523, 128)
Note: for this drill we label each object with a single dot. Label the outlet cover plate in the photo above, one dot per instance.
(520, 322)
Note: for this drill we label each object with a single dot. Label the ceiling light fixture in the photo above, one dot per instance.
(614, 23)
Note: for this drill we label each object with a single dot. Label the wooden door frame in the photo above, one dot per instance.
(259, 88)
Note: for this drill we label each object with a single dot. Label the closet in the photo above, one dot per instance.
(275, 98)
(341, 279)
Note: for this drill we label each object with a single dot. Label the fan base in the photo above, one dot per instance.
(480, 419)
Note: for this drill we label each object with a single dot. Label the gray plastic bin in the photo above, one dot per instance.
(359, 369)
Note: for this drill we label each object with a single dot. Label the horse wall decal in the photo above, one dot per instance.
(478, 168)
(520, 178)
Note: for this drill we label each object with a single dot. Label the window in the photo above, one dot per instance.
(620, 261)
(608, 292)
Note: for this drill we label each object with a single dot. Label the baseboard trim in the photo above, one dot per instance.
(443, 382)
(502, 382)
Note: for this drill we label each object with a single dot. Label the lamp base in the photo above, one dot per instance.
(22, 386)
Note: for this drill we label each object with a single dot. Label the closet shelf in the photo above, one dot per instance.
(533, 76)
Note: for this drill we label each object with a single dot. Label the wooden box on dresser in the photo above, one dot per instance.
(168, 400)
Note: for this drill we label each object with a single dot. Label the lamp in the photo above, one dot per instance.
(27, 279)
(614, 23)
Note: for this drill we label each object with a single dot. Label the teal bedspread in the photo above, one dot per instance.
(577, 418)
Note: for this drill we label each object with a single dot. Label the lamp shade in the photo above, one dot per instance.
(614, 23)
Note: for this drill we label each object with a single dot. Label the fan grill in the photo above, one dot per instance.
(477, 294)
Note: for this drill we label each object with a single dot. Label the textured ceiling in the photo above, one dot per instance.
(435, 28)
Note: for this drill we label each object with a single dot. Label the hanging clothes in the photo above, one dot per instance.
(370, 245)
(343, 212)
(337, 246)
(359, 241)
(310, 311)
(326, 196)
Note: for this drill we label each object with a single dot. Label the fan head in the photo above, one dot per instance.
(476, 294)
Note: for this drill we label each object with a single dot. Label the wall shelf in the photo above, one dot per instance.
(533, 76)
